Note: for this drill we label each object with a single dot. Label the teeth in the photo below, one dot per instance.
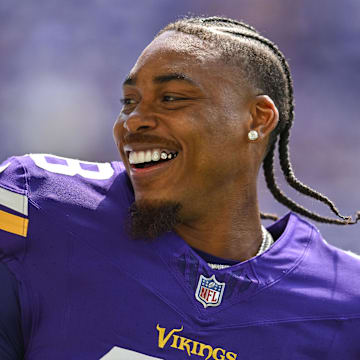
(148, 156)
(133, 158)
(139, 157)
(155, 155)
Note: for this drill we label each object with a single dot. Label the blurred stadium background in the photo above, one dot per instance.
(62, 64)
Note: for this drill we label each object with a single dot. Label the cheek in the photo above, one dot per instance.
(224, 150)
(223, 133)
(117, 130)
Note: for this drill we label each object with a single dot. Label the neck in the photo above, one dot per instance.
(231, 230)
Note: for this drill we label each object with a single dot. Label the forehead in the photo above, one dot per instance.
(177, 43)
(176, 52)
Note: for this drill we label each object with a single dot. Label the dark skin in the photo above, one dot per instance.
(197, 105)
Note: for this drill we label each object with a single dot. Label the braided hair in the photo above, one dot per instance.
(265, 68)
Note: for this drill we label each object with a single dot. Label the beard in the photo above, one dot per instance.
(150, 219)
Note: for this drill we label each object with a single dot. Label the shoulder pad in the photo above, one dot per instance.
(13, 175)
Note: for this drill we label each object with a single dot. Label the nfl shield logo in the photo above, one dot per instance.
(209, 291)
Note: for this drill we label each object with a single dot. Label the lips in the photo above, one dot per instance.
(147, 159)
(149, 169)
(161, 162)
(149, 153)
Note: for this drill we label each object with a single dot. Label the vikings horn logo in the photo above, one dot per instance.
(209, 291)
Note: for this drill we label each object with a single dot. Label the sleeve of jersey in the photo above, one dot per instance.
(11, 343)
(14, 219)
(14, 222)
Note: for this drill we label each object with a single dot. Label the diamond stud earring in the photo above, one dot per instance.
(253, 135)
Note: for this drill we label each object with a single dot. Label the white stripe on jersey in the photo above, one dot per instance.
(14, 201)
(2, 168)
(117, 353)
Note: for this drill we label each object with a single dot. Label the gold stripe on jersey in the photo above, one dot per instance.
(13, 224)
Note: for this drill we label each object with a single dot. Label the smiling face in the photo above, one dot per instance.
(184, 105)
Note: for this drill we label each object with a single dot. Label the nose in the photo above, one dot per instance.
(141, 119)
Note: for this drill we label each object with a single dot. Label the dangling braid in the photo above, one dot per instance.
(295, 183)
(268, 166)
(270, 72)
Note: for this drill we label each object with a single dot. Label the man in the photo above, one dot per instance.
(189, 271)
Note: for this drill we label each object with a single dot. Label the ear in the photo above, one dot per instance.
(264, 116)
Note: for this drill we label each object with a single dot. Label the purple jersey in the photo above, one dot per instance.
(88, 291)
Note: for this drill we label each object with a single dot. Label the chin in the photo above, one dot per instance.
(150, 219)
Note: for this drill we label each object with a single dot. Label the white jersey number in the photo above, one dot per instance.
(71, 167)
(117, 353)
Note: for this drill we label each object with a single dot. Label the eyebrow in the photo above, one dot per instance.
(129, 81)
(161, 79)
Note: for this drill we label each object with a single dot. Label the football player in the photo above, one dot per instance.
(163, 256)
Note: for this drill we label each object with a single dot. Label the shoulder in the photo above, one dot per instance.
(319, 252)
(39, 177)
(293, 229)
(324, 254)
(315, 279)
(329, 272)
(47, 165)
(37, 187)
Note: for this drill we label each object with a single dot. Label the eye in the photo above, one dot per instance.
(171, 98)
(127, 101)
(168, 98)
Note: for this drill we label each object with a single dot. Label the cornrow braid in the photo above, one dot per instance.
(228, 21)
(268, 71)
(282, 198)
(295, 183)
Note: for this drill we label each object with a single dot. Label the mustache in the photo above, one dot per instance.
(149, 139)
